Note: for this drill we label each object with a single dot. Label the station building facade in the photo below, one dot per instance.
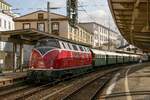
(6, 23)
(104, 38)
(59, 26)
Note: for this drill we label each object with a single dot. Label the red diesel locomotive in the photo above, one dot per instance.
(53, 58)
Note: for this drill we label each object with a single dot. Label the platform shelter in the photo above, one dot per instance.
(28, 37)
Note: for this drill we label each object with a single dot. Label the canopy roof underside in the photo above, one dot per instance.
(132, 18)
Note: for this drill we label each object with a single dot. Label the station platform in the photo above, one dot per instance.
(132, 83)
(9, 78)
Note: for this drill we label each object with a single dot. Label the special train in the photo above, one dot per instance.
(54, 58)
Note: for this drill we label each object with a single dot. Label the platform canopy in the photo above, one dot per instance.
(132, 18)
(30, 37)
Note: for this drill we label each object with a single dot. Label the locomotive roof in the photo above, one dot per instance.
(66, 40)
(96, 51)
(125, 54)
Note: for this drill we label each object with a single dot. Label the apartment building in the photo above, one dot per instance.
(59, 26)
(6, 23)
(104, 38)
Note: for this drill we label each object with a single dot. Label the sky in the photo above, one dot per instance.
(96, 10)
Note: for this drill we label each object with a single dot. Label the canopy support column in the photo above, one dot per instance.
(14, 57)
(21, 57)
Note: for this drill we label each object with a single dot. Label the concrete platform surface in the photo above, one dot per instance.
(132, 83)
(10, 78)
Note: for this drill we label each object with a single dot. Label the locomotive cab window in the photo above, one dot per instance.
(48, 43)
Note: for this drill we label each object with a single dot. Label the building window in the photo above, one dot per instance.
(70, 29)
(0, 22)
(5, 26)
(9, 25)
(41, 27)
(0, 5)
(40, 16)
(55, 28)
(26, 26)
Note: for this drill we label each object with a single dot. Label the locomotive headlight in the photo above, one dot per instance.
(51, 67)
(41, 64)
(51, 62)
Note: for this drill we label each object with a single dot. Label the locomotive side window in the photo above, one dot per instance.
(61, 45)
(78, 47)
(66, 45)
(69, 45)
(84, 49)
(74, 47)
(87, 49)
(81, 48)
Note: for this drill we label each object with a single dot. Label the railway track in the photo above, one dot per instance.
(86, 88)
(90, 90)
(4, 91)
(21, 92)
(59, 91)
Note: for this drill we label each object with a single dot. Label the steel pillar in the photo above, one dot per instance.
(21, 57)
(14, 57)
(72, 12)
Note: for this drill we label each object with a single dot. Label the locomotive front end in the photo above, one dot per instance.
(42, 60)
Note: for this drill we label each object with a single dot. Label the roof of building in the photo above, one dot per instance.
(5, 3)
(39, 11)
(84, 28)
(51, 13)
(8, 13)
(100, 26)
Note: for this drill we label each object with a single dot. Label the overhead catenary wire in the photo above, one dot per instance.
(85, 11)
